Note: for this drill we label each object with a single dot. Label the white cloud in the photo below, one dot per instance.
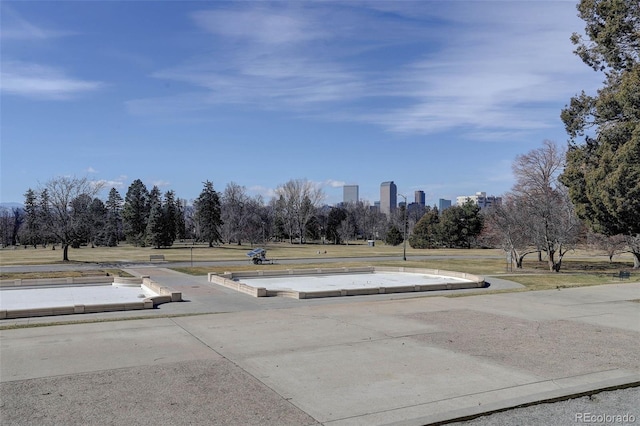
(489, 69)
(161, 183)
(260, 25)
(119, 183)
(334, 183)
(42, 82)
(91, 170)
(269, 80)
(15, 27)
(268, 58)
(265, 192)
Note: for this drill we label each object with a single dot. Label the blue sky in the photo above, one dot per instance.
(436, 96)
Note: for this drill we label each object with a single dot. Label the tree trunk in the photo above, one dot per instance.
(65, 252)
(557, 266)
(551, 261)
(636, 260)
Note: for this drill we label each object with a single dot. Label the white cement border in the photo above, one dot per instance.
(67, 296)
(249, 281)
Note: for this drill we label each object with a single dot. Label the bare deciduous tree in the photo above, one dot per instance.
(551, 219)
(10, 222)
(60, 220)
(297, 201)
(612, 245)
(508, 225)
(234, 212)
(346, 230)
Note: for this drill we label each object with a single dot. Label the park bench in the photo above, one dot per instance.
(622, 275)
(156, 258)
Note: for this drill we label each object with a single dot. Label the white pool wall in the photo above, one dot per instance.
(64, 296)
(236, 281)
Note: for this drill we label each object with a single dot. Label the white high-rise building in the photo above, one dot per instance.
(480, 199)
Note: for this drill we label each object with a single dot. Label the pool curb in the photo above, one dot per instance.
(164, 295)
(233, 280)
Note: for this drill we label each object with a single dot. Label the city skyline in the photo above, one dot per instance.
(442, 96)
(389, 192)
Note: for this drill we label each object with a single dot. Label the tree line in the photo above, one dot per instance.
(536, 216)
(67, 212)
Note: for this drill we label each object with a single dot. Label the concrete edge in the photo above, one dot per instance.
(561, 394)
(232, 280)
(45, 282)
(165, 295)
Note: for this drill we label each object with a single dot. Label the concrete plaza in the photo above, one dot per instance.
(345, 361)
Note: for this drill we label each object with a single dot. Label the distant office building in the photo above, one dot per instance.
(443, 204)
(388, 197)
(480, 199)
(350, 194)
(420, 198)
(415, 210)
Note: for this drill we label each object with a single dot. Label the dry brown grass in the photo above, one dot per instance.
(552, 281)
(184, 252)
(63, 274)
(579, 268)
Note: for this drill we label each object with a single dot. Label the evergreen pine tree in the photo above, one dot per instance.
(98, 217)
(135, 213)
(113, 227)
(603, 172)
(394, 236)
(425, 231)
(30, 232)
(208, 215)
(170, 213)
(155, 232)
(45, 219)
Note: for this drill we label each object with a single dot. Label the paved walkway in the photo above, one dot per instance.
(339, 361)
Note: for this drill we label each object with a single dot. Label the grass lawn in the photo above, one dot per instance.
(183, 252)
(580, 268)
(567, 280)
(482, 266)
(63, 274)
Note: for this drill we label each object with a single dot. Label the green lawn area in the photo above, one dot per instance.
(184, 252)
(564, 280)
(580, 268)
(63, 274)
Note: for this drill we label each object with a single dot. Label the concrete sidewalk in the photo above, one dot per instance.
(358, 361)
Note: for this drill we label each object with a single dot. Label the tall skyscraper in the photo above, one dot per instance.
(388, 197)
(350, 194)
(443, 204)
(420, 198)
